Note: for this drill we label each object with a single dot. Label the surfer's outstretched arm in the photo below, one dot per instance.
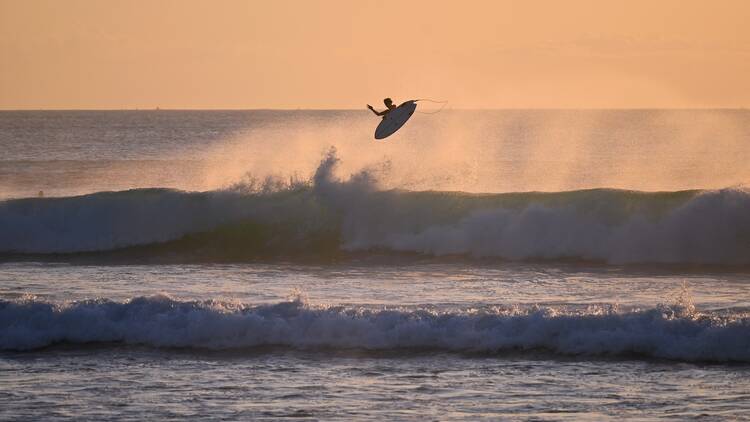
(377, 113)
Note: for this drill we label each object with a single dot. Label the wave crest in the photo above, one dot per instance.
(331, 217)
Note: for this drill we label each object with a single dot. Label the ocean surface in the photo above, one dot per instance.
(498, 265)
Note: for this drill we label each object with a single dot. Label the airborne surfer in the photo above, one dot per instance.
(388, 103)
(393, 116)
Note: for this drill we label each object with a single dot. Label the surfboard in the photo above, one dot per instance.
(395, 119)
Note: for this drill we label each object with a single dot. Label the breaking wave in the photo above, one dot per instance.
(671, 332)
(331, 218)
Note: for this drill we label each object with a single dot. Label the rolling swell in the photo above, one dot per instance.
(331, 218)
(671, 332)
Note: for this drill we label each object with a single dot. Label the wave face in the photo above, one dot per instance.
(674, 332)
(329, 217)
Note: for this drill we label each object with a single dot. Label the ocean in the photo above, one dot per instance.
(477, 265)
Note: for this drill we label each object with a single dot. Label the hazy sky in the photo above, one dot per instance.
(343, 54)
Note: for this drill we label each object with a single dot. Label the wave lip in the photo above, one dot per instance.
(159, 321)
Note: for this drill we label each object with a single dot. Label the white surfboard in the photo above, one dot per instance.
(395, 119)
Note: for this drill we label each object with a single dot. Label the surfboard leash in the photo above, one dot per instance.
(444, 103)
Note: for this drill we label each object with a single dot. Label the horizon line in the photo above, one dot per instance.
(363, 109)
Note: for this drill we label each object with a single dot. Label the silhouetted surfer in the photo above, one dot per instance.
(388, 103)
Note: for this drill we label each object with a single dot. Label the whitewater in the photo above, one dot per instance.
(515, 264)
(664, 332)
(328, 216)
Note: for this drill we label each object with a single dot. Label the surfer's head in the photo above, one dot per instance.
(388, 102)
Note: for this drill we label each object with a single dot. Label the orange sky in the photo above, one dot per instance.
(342, 54)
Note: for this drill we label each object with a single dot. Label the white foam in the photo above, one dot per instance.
(711, 228)
(159, 321)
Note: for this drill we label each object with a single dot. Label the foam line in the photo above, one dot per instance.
(670, 332)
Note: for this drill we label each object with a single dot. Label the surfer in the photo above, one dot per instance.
(388, 103)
